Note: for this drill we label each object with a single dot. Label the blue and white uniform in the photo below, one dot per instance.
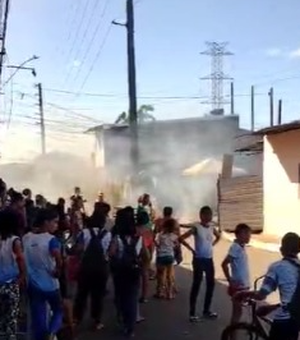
(281, 275)
(239, 265)
(41, 264)
(85, 236)
(9, 270)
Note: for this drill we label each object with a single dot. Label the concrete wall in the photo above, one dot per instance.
(281, 183)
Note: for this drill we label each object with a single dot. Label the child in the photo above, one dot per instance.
(166, 242)
(284, 276)
(206, 237)
(148, 243)
(236, 268)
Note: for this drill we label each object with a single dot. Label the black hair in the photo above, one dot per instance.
(9, 223)
(44, 215)
(125, 222)
(205, 210)
(98, 217)
(61, 200)
(142, 218)
(169, 226)
(241, 228)
(290, 244)
(168, 211)
(16, 197)
(26, 192)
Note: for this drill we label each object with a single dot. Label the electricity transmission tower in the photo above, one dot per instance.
(217, 51)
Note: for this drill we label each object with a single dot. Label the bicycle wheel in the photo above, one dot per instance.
(242, 331)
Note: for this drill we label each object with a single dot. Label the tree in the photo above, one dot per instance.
(144, 115)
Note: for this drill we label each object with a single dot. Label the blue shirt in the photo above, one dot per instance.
(40, 263)
(281, 275)
(239, 265)
(9, 270)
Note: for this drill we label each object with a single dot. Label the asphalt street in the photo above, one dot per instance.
(169, 319)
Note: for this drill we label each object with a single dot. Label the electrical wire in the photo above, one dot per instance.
(75, 40)
(93, 64)
(83, 38)
(91, 43)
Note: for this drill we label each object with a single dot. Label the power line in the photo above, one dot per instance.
(77, 32)
(93, 64)
(87, 29)
(91, 43)
(111, 95)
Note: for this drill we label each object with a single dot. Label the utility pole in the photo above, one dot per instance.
(232, 98)
(252, 109)
(279, 112)
(3, 35)
(42, 121)
(271, 95)
(133, 118)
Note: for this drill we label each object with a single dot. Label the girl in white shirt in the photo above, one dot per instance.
(166, 242)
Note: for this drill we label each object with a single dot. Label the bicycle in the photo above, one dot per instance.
(255, 329)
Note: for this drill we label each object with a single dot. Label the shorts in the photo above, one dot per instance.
(165, 260)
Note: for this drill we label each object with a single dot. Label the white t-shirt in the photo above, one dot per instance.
(281, 275)
(109, 223)
(85, 238)
(204, 238)
(138, 246)
(166, 244)
(239, 265)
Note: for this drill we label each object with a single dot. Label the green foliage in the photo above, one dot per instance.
(144, 115)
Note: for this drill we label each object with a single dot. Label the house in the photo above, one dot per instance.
(167, 148)
(270, 201)
(281, 178)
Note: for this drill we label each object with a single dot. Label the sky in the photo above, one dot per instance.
(81, 52)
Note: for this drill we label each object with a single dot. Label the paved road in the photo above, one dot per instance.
(168, 320)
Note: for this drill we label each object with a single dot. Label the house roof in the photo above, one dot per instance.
(206, 118)
(272, 130)
(248, 142)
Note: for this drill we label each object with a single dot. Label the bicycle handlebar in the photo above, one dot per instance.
(257, 281)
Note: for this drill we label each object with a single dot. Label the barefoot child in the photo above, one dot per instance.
(236, 268)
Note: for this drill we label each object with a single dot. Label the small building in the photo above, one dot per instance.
(270, 201)
(281, 178)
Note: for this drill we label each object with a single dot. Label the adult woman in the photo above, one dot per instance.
(125, 252)
(12, 273)
(44, 260)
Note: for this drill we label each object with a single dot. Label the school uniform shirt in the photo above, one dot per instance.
(239, 265)
(166, 244)
(40, 263)
(9, 269)
(281, 275)
(138, 246)
(109, 223)
(85, 236)
(203, 238)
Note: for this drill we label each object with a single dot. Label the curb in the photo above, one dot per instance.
(271, 247)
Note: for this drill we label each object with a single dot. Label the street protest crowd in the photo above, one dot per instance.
(60, 257)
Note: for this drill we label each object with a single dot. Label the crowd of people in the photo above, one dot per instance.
(59, 257)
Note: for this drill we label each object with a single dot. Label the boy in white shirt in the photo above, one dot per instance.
(236, 268)
(284, 276)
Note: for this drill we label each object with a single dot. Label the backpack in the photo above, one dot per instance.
(93, 259)
(293, 306)
(129, 263)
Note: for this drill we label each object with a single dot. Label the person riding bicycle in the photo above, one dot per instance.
(282, 275)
